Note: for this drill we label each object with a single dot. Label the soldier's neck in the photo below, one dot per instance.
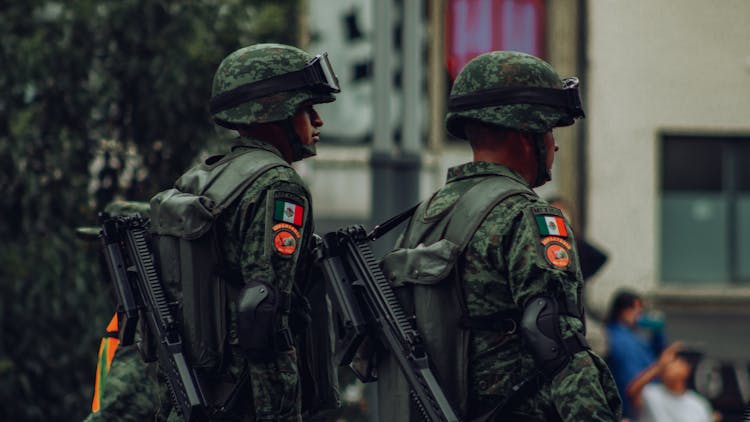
(513, 155)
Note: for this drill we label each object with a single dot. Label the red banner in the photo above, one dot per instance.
(474, 27)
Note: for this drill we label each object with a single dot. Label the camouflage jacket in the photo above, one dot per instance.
(262, 236)
(509, 260)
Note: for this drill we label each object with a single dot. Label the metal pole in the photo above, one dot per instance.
(437, 75)
(382, 76)
(382, 160)
(395, 171)
(382, 142)
(412, 75)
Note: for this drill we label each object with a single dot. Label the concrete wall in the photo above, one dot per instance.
(653, 66)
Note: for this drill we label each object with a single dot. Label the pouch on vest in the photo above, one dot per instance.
(257, 308)
(182, 226)
(422, 264)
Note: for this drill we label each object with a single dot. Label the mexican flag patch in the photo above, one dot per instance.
(288, 212)
(550, 225)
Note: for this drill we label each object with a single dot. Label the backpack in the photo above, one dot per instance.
(187, 249)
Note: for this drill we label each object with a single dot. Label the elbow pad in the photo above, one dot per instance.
(540, 327)
(257, 309)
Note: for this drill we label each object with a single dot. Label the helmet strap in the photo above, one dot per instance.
(542, 172)
(299, 150)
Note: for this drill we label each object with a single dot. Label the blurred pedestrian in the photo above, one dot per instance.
(669, 400)
(632, 348)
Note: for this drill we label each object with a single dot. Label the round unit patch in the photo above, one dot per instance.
(557, 255)
(285, 239)
(556, 251)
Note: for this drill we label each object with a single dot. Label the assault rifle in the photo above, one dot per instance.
(140, 293)
(365, 305)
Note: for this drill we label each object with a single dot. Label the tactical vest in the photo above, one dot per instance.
(425, 264)
(185, 243)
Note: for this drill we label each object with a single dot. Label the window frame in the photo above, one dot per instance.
(730, 144)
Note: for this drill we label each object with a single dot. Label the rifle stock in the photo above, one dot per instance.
(140, 292)
(366, 305)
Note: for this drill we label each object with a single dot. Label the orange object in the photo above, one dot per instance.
(107, 349)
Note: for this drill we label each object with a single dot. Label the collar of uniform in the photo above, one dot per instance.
(250, 142)
(482, 168)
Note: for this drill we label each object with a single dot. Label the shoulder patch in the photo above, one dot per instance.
(557, 251)
(285, 238)
(550, 221)
(287, 209)
(286, 216)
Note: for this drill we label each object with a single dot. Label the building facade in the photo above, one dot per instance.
(658, 174)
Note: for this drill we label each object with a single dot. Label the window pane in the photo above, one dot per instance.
(691, 164)
(743, 236)
(694, 238)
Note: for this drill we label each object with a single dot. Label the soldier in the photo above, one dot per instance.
(504, 322)
(231, 241)
(238, 328)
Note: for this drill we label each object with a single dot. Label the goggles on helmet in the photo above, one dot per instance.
(566, 98)
(317, 75)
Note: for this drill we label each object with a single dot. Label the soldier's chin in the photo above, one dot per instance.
(309, 154)
(544, 182)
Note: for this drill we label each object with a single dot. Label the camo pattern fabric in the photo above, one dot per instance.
(247, 237)
(256, 63)
(506, 69)
(503, 267)
(131, 393)
(248, 243)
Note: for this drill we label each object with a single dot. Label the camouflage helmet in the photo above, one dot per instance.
(268, 82)
(512, 90)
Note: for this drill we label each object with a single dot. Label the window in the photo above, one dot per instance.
(705, 209)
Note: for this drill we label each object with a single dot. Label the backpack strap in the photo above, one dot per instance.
(229, 175)
(465, 218)
(474, 206)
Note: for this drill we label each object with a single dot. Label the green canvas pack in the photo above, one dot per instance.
(185, 244)
(422, 269)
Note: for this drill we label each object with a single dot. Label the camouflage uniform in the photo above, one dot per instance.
(509, 261)
(262, 232)
(247, 236)
(248, 232)
(502, 268)
(131, 393)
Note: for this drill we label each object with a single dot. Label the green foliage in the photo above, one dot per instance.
(98, 99)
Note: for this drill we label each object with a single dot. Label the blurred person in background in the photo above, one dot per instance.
(635, 341)
(669, 400)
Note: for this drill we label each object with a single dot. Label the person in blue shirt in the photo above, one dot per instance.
(635, 342)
